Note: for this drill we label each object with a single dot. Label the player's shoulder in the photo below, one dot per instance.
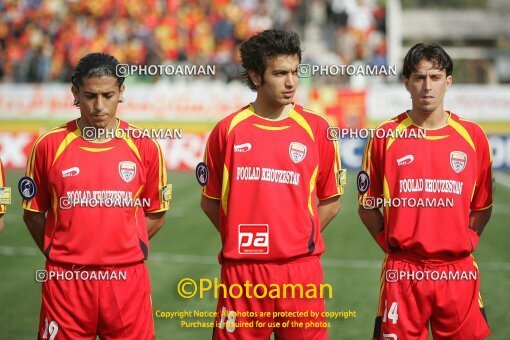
(400, 120)
(227, 123)
(313, 118)
(474, 130)
(56, 135)
(142, 140)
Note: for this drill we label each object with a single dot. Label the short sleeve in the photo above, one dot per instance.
(482, 196)
(156, 190)
(37, 170)
(331, 177)
(370, 178)
(214, 157)
(3, 208)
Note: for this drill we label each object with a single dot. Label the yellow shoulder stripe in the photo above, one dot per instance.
(462, 131)
(302, 122)
(238, 118)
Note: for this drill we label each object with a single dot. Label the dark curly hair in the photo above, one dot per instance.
(265, 45)
(431, 52)
(96, 65)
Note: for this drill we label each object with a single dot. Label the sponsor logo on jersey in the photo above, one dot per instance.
(253, 239)
(127, 171)
(363, 182)
(458, 161)
(202, 173)
(405, 160)
(297, 152)
(242, 147)
(27, 188)
(71, 172)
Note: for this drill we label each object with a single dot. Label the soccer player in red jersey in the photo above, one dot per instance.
(435, 192)
(91, 204)
(5, 196)
(271, 185)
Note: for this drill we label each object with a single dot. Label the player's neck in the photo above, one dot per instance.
(429, 120)
(272, 112)
(82, 123)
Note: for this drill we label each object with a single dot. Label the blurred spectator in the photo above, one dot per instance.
(42, 40)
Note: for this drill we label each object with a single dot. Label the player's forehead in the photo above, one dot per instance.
(288, 62)
(103, 84)
(427, 67)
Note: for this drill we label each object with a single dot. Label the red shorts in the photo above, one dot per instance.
(240, 318)
(80, 302)
(445, 294)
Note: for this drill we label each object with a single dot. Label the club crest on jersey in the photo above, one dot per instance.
(458, 160)
(127, 171)
(297, 152)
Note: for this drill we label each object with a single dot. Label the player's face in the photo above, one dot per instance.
(98, 97)
(280, 80)
(427, 86)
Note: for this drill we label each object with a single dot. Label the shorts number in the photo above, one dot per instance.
(51, 328)
(231, 320)
(392, 314)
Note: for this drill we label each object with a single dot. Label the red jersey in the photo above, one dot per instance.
(2, 185)
(96, 195)
(268, 176)
(432, 183)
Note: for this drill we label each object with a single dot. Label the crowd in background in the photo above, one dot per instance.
(42, 40)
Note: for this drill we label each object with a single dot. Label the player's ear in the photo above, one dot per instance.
(76, 94)
(121, 89)
(255, 77)
(449, 80)
(406, 83)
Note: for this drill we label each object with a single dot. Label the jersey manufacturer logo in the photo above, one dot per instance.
(242, 147)
(71, 172)
(363, 182)
(405, 160)
(253, 239)
(27, 188)
(458, 161)
(297, 152)
(390, 336)
(202, 173)
(127, 171)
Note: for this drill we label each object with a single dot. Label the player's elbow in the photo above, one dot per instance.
(209, 206)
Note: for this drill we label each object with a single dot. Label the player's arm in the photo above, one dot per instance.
(331, 178)
(36, 224)
(155, 222)
(328, 209)
(213, 166)
(482, 199)
(211, 208)
(479, 219)
(1, 222)
(157, 190)
(372, 219)
(369, 186)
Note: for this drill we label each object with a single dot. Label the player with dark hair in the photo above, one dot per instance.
(91, 205)
(429, 276)
(272, 183)
(5, 196)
